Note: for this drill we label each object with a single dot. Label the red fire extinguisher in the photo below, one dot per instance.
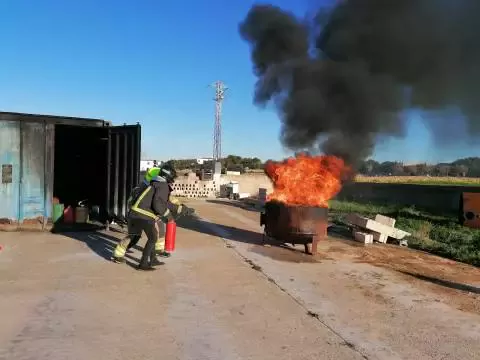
(170, 235)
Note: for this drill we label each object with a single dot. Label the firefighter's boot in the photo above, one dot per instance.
(163, 254)
(155, 262)
(120, 250)
(147, 264)
(118, 260)
(160, 248)
(145, 267)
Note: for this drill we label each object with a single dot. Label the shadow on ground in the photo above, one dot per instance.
(238, 204)
(273, 249)
(224, 231)
(444, 283)
(103, 244)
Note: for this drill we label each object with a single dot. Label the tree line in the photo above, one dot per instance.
(230, 163)
(466, 167)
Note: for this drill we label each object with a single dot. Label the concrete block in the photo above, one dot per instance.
(385, 220)
(378, 237)
(375, 226)
(363, 237)
(356, 219)
(192, 176)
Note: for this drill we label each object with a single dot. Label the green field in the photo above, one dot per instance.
(419, 180)
(440, 235)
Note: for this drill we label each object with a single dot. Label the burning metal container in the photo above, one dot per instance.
(305, 225)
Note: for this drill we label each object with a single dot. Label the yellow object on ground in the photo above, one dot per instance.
(121, 248)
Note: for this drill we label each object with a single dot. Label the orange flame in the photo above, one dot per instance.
(306, 180)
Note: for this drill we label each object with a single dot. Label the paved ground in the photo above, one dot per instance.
(226, 298)
(387, 302)
(62, 300)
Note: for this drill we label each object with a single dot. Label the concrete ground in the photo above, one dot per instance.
(222, 295)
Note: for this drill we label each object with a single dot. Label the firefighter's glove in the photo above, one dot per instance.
(184, 210)
(167, 216)
(189, 211)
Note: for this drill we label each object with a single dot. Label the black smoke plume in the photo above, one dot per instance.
(341, 81)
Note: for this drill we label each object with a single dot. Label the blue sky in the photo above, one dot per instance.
(151, 61)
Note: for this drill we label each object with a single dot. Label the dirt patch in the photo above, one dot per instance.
(457, 283)
(406, 260)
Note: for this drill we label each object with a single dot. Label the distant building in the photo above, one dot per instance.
(147, 164)
(201, 161)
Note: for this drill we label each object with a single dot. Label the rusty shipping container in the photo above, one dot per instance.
(72, 159)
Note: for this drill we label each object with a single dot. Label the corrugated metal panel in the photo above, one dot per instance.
(52, 119)
(9, 161)
(32, 175)
(49, 168)
(124, 167)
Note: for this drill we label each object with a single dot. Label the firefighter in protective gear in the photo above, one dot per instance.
(132, 239)
(150, 205)
(160, 244)
(168, 173)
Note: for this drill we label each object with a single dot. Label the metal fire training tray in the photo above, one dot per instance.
(294, 224)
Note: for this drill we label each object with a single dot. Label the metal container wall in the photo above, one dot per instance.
(37, 164)
(26, 152)
(10, 165)
(308, 220)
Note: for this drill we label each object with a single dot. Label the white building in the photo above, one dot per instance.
(201, 161)
(147, 164)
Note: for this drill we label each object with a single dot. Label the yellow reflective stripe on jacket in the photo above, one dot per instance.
(175, 201)
(142, 211)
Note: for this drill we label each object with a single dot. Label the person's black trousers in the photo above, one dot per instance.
(135, 228)
(135, 236)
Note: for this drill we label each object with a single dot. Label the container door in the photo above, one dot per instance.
(10, 173)
(124, 168)
(33, 207)
(471, 210)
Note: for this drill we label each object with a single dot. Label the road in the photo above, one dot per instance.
(222, 296)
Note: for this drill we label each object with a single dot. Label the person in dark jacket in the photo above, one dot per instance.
(149, 205)
(160, 244)
(132, 239)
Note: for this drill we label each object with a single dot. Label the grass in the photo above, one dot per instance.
(419, 180)
(439, 235)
